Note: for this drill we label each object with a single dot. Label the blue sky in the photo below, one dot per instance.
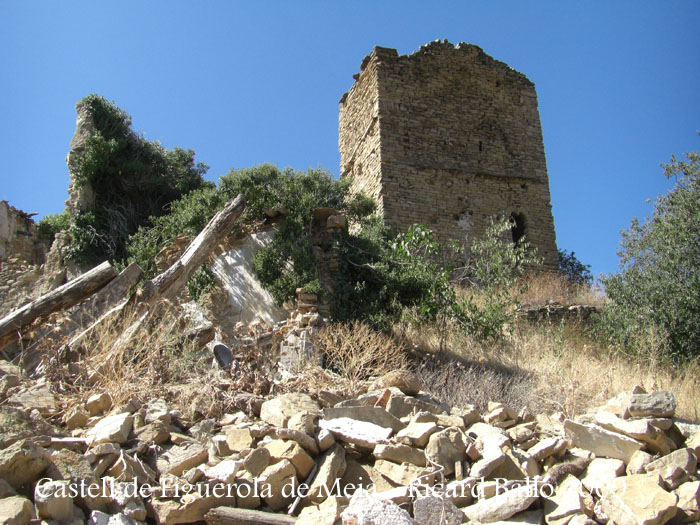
(243, 83)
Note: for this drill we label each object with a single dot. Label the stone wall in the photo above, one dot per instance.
(448, 137)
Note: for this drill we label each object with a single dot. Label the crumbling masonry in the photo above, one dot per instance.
(448, 137)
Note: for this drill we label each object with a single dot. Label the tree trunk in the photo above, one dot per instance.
(234, 516)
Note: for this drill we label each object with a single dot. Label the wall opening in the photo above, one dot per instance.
(518, 227)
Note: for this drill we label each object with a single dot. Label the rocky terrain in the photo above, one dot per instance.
(393, 455)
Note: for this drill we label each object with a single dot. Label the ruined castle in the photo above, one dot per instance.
(448, 137)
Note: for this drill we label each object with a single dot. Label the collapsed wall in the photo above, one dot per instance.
(450, 138)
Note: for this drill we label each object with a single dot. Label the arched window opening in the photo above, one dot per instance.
(519, 226)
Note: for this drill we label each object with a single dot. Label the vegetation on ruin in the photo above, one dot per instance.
(131, 179)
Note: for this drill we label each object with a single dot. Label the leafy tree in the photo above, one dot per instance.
(51, 224)
(658, 286)
(577, 273)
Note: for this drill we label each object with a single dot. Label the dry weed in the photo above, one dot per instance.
(535, 288)
(358, 352)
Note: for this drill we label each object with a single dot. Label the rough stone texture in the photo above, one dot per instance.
(638, 500)
(445, 448)
(602, 442)
(656, 404)
(360, 433)
(111, 429)
(276, 481)
(291, 451)
(601, 472)
(400, 454)
(371, 414)
(502, 506)
(330, 467)
(683, 458)
(367, 509)
(277, 411)
(688, 502)
(431, 510)
(448, 137)
(180, 458)
(52, 501)
(22, 463)
(408, 382)
(325, 514)
(69, 466)
(15, 510)
(568, 500)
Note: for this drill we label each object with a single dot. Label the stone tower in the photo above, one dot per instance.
(448, 137)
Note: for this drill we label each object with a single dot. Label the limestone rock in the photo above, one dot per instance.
(445, 448)
(331, 467)
(22, 462)
(193, 509)
(69, 466)
(15, 510)
(370, 414)
(402, 406)
(600, 473)
(110, 429)
(257, 461)
(492, 458)
(602, 442)
(98, 403)
(6, 490)
(180, 458)
(400, 454)
(367, 509)
(657, 404)
(324, 514)
(238, 438)
(638, 462)
(688, 502)
(546, 448)
(277, 484)
(53, 501)
(157, 410)
(683, 458)
(638, 499)
(408, 382)
(417, 434)
(224, 471)
(360, 433)
(568, 500)
(277, 411)
(639, 429)
(401, 475)
(290, 450)
(501, 506)
(430, 510)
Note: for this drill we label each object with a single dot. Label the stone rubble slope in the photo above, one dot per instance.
(392, 455)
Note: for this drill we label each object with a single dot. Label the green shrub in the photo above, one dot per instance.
(658, 287)
(577, 273)
(51, 224)
(131, 178)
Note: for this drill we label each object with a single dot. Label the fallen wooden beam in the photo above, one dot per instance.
(235, 516)
(169, 283)
(61, 298)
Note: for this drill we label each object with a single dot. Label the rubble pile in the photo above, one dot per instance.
(392, 455)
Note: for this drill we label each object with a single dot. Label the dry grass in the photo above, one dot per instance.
(536, 288)
(545, 367)
(152, 360)
(357, 352)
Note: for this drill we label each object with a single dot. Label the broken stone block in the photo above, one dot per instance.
(445, 448)
(6, 490)
(22, 463)
(357, 475)
(257, 461)
(640, 429)
(600, 473)
(602, 442)
(401, 475)
(156, 432)
(126, 501)
(547, 447)
(74, 468)
(683, 458)
(277, 411)
(76, 418)
(188, 509)
(360, 433)
(370, 414)
(688, 502)
(224, 471)
(324, 439)
(238, 438)
(657, 404)
(569, 499)
(402, 406)
(291, 451)
(331, 467)
(492, 458)
(180, 458)
(53, 501)
(400, 454)
(366, 508)
(110, 429)
(218, 447)
(327, 513)
(277, 484)
(638, 462)
(15, 510)
(430, 510)
(302, 422)
(501, 506)
(98, 404)
(417, 434)
(639, 499)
